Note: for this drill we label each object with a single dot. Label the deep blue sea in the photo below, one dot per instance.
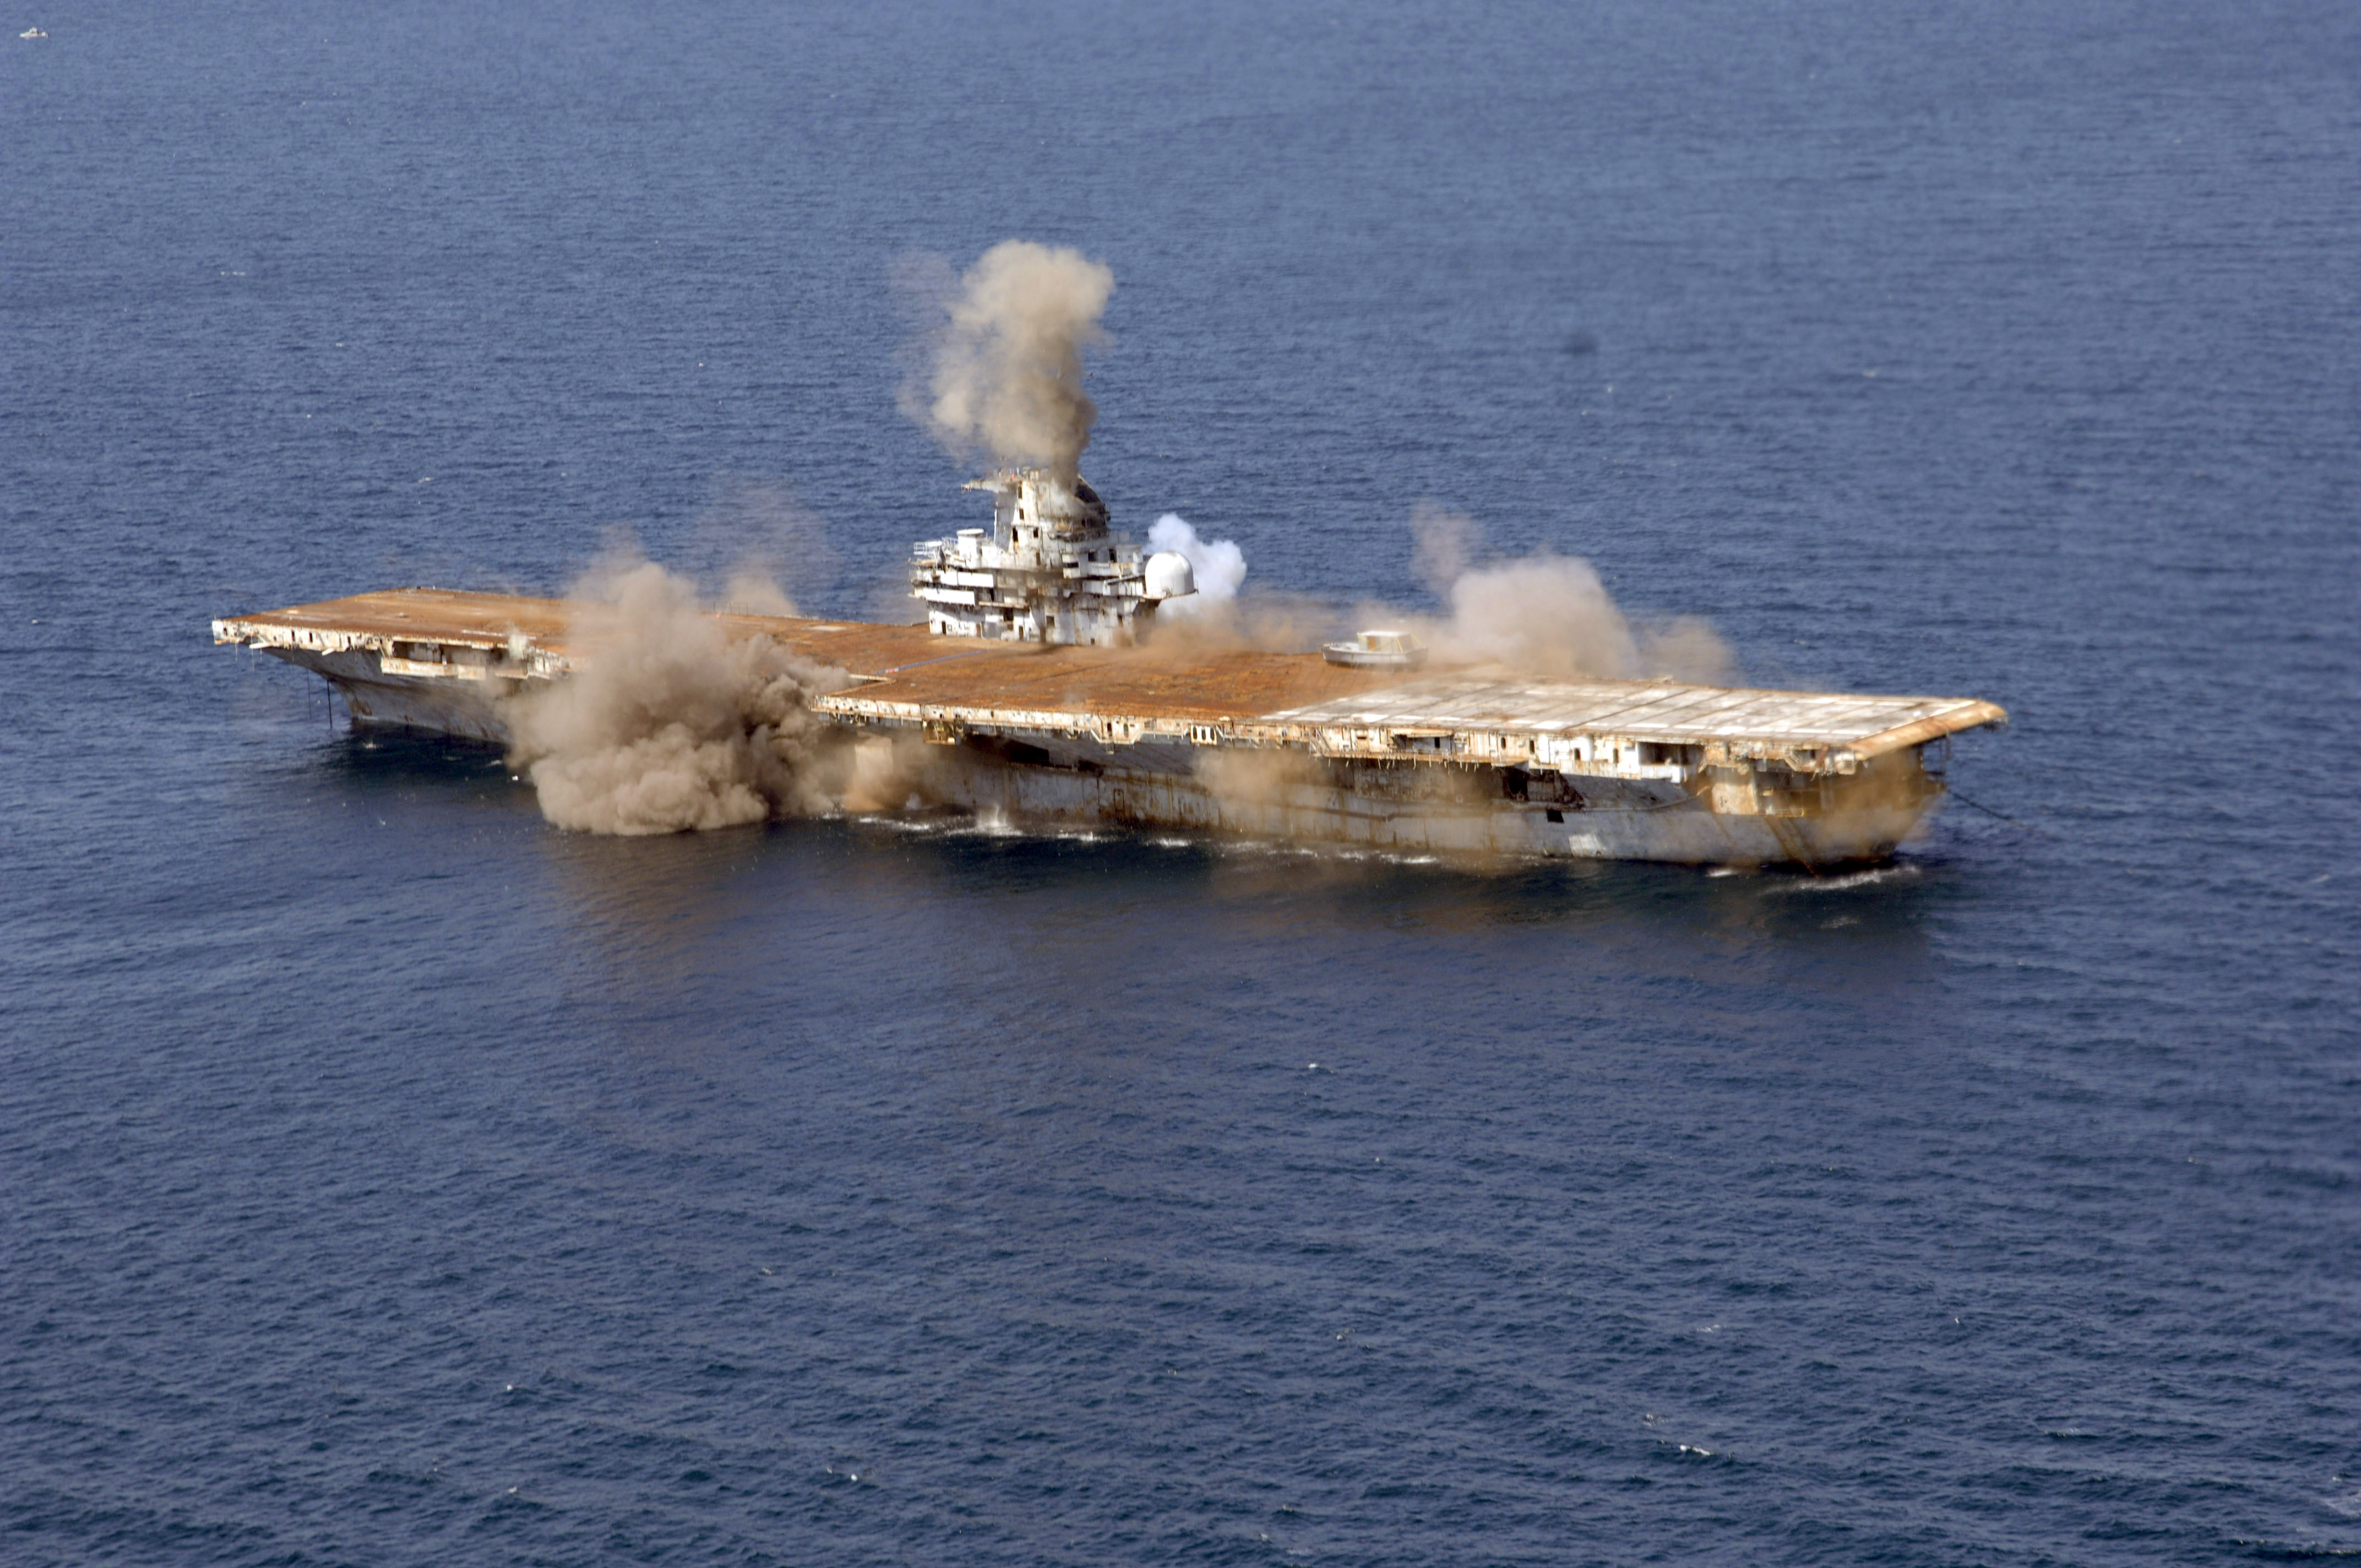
(388, 1178)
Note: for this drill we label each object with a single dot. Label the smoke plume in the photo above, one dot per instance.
(1218, 564)
(1545, 614)
(1005, 378)
(756, 533)
(1442, 543)
(674, 723)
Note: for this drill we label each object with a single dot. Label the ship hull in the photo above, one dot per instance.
(435, 704)
(1276, 746)
(1614, 823)
(1363, 807)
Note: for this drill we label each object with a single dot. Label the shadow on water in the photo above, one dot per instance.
(1070, 907)
(975, 951)
(1400, 891)
(413, 764)
(683, 903)
(438, 799)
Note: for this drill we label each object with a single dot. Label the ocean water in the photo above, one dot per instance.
(386, 1177)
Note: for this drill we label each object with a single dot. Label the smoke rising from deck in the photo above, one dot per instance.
(1442, 542)
(672, 723)
(1218, 564)
(770, 549)
(1005, 363)
(1545, 614)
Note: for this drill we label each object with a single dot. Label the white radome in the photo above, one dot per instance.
(1170, 575)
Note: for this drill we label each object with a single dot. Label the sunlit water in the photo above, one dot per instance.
(386, 1177)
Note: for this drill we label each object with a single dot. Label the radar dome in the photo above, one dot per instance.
(1168, 575)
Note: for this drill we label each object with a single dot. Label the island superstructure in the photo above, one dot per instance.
(1034, 703)
(1049, 570)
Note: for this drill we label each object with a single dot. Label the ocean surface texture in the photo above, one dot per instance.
(387, 1177)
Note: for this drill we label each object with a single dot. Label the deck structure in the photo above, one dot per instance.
(1270, 743)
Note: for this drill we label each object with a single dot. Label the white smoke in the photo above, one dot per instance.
(1218, 564)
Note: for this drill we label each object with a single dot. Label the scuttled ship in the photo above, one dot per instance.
(1043, 696)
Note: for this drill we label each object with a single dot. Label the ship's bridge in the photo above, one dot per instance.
(1049, 570)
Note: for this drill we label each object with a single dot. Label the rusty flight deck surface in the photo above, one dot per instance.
(558, 632)
(558, 635)
(906, 676)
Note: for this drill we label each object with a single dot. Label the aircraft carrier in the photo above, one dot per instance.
(1043, 695)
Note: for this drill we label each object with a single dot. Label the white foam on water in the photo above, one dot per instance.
(1873, 877)
(992, 822)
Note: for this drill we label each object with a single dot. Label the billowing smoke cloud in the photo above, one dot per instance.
(1545, 614)
(1006, 374)
(1218, 564)
(757, 533)
(674, 722)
